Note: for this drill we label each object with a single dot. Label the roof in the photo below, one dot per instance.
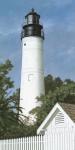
(68, 109)
(32, 12)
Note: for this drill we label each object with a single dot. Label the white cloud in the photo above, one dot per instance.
(60, 46)
(48, 25)
(61, 2)
(71, 51)
(10, 25)
(8, 31)
(57, 3)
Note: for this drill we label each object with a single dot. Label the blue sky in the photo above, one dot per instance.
(58, 19)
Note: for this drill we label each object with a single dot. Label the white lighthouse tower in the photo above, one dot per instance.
(32, 72)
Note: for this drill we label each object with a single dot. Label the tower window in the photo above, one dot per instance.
(30, 77)
(24, 44)
(30, 19)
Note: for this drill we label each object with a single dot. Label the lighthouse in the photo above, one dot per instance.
(32, 71)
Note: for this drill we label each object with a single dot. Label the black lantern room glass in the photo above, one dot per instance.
(32, 26)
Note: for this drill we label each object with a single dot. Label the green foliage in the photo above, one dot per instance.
(11, 123)
(5, 82)
(7, 114)
(51, 83)
(15, 98)
(56, 91)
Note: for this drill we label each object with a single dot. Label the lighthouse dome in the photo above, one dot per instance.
(32, 27)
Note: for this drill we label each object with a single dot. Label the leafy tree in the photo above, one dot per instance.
(57, 82)
(7, 114)
(5, 82)
(11, 123)
(51, 83)
(15, 98)
(63, 91)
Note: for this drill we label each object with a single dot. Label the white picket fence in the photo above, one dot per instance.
(51, 141)
(59, 141)
(27, 143)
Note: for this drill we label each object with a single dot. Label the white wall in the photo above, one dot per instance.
(32, 73)
(59, 141)
(60, 123)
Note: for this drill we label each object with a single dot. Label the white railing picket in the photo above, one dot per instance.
(25, 143)
(31, 144)
(50, 141)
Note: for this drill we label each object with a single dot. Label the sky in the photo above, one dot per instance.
(58, 19)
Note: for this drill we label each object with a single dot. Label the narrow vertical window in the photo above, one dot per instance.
(30, 77)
